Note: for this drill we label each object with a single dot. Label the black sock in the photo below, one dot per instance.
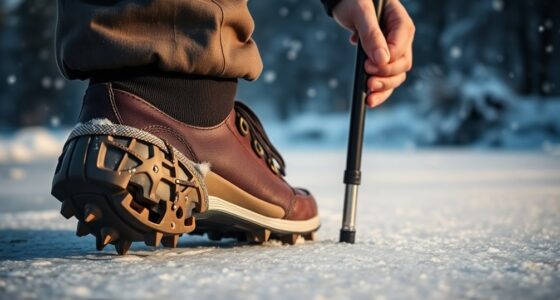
(194, 100)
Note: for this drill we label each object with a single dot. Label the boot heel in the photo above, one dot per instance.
(124, 189)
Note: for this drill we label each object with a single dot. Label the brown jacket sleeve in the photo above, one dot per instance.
(198, 37)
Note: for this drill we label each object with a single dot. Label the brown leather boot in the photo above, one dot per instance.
(129, 172)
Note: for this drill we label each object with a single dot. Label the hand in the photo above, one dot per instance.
(390, 54)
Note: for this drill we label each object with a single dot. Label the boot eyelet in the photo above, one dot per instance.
(243, 126)
(258, 148)
(273, 165)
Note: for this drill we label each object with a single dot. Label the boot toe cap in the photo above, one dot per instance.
(304, 206)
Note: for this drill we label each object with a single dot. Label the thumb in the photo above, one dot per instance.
(372, 38)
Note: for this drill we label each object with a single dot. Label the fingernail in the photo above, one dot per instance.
(381, 56)
(370, 66)
(376, 86)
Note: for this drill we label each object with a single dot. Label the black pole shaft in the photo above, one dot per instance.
(352, 174)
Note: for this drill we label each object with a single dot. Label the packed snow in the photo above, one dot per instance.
(31, 144)
(431, 224)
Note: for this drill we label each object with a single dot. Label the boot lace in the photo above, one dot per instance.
(249, 124)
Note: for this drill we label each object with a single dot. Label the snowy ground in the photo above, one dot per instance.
(432, 224)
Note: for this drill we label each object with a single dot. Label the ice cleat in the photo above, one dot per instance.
(129, 172)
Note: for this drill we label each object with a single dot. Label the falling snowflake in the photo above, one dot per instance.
(292, 55)
(333, 83)
(44, 54)
(269, 76)
(455, 52)
(320, 35)
(59, 83)
(46, 82)
(284, 11)
(498, 5)
(546, 87)
(11, 79)
(511, 75)
(514, 126)
(306, 15)
(418, 85)
(541, 28)
(55, 121)
(296, 45)
(311, 92)
(549, 49)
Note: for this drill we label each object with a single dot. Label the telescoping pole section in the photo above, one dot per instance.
(352, 175)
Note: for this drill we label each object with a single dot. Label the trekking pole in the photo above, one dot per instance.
(352, 174)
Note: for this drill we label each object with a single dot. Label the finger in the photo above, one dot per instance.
(376, 99)
(379, 84)
(400, 29)
(371, 36)
(401, 65)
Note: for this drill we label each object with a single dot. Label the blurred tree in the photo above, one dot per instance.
(32, 92)
(307, 59)
(471, 59)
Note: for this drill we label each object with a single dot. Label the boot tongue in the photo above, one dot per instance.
(258, 133)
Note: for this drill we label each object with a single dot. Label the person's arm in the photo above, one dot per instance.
(389, 52)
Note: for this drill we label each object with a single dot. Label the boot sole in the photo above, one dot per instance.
(246, 225)
(124, 189)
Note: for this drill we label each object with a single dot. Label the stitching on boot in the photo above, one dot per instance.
(291, 206)
(160, 128)
(113, 103)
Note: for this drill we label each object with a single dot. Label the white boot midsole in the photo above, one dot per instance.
(216, 204)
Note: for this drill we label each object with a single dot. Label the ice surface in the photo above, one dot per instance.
(435, 224)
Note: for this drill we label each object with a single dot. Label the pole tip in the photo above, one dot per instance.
(347, 236)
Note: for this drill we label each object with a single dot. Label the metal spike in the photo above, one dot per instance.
(67, 209)
(190, 223)
(108, 235)
(122, 197)
(91, 213)
(310, 236)
(214, 235)
(170, 241)
(122, 246)
(289, 238)
(153, 239)
(259, 236)
(99, 243)
(82, 229)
